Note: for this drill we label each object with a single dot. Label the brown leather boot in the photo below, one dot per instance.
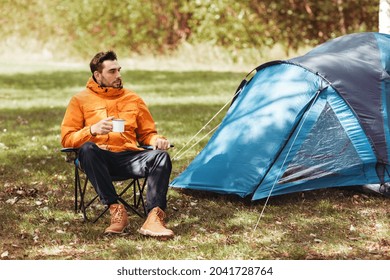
(118, 219)
(155, 226)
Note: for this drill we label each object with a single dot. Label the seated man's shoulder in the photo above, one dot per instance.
(131, 96)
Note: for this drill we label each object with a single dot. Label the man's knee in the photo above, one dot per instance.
(87, 148)
(164, 159)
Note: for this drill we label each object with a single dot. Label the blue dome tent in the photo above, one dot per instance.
(315, 121)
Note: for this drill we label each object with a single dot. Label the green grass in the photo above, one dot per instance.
(36, 185)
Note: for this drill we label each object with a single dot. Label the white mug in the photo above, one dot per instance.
(118, 125)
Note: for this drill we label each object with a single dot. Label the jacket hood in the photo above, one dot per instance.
(103, 91)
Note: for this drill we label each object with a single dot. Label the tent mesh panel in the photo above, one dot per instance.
(326, 150)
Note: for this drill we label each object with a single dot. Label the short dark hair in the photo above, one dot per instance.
(99, 58)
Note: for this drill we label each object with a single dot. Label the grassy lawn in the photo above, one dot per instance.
(36, 185)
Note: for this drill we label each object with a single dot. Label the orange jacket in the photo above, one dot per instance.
(96, 103)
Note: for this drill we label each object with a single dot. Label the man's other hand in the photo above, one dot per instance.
(161, 144)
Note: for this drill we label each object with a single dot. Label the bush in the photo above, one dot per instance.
(84, 27)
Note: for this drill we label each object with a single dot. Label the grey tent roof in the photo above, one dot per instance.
(352, 64)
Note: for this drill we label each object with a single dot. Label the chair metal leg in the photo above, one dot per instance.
(76, 187)
(134, 208)
(82, 205)
(80, 190)
(100, 215)
(140, 188)
(80, 195)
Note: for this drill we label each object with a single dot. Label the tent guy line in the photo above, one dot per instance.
(196, 143)
(177, 156)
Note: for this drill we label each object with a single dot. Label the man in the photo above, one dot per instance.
(87, 124)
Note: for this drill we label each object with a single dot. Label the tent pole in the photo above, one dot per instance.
(301, 122)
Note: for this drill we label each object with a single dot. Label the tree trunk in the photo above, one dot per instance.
(384, 16)
(340, 8)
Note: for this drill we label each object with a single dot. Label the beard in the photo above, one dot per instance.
(116, 84)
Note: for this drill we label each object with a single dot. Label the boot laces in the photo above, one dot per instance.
(117, 216)
(159, 218)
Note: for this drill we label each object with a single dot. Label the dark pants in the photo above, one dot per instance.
(101, 165)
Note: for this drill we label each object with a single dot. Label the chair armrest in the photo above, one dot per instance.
(71, 154)
(150, 147)
(146, 147)
(69, 150)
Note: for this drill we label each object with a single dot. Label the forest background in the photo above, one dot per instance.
(235, 32)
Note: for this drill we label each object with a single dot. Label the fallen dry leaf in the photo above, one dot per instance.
(12, 201)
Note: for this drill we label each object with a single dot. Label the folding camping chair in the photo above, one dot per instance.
(87, 201)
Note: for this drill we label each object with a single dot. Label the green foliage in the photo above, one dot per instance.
(254, 23)
(85, 27)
